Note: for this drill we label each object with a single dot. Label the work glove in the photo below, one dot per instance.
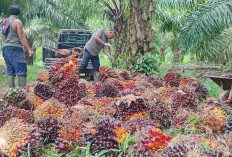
(108, 45)
(110, 58)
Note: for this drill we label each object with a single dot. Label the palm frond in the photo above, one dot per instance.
(178, 4)
(208, 21)
(219, 44)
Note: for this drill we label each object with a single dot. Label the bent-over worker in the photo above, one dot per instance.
(98, 41)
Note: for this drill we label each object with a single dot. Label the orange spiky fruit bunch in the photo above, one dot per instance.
(106, 73)
(32, 98)
(15, 137)
(69, 135)
(51, 107)
(43, 77)
(62, 69)
(215, 119)
(156, 140)
(11, 112)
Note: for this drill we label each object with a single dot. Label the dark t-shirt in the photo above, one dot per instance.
(93, 46)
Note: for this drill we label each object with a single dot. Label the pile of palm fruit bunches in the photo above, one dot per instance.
(167, 117)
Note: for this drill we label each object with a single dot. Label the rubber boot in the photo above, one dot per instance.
(11, 82)
(22, 81)
(96, 76)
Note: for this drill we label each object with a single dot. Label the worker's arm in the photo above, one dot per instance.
(3, 38)
(22, 38)
(98, 39)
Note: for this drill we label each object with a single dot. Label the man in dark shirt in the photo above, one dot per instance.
(92, 48)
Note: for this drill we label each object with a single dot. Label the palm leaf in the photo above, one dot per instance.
(208, 21)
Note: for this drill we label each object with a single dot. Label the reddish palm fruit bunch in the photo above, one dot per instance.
(200, 89)
(102, 106)
(184, 97)
(145, 84)
(115, 82)
(124, 74)
(15, 137)
(107, 90)
(214, 102)
(62, 69)
(70, 134)
(156, 140)
(43, 77)
(33, 99)
(106, 73)
(172, 79)
(129, 84)
(160, 113)
(70, 92)
(177, 150)
(138, 76)
(140, 90)
(156, 81)
(214, 118)
(127, 92)
(51, 107)
(11, 112)
(130, 105)
(49, 128)
(43, 91)
(181, 117)
(15, 97)
(105, 135)
(135, 124)
(56, 72)
(229, 123)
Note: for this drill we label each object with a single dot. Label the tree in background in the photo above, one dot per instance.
(133, 21)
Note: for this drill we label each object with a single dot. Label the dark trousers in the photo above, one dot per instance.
(15, 61)
(86, 57)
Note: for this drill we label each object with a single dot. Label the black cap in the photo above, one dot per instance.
(14, 10)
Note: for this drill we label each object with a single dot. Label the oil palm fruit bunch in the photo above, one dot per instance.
(11, 112)
(70, 92)
(43, 77)
(184, 97)
(33, 99)
(16, 136)
(115, 82)
(194, 84)
(214, 118)
(177, 150)
(138, 76)
(43, 91)
(172, 79)
(135, 124)
(108, 90)
(160, 114)
(124, 74)
(156, 140)
(62, 69)
(106, 73)
(229, 123)
(105, 134)
(69, 135)
(51, 107)
(156, 81)
(15, 97)
(131, 106)
(49, 128)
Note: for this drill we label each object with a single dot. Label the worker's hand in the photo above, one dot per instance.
(110, 58)
(108, 45)
(31, 53)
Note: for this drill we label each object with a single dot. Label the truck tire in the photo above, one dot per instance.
(224, 96)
